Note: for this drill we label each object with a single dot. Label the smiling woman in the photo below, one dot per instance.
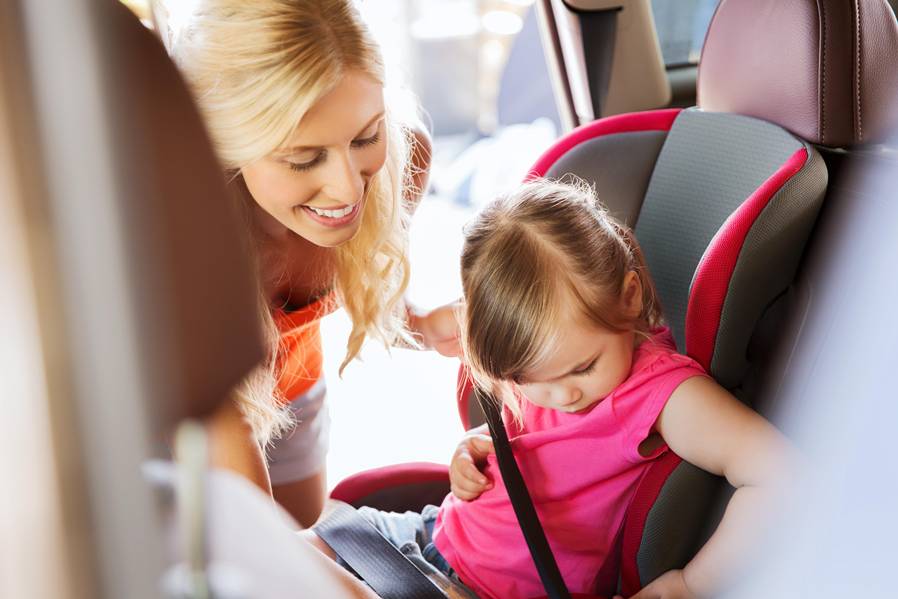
(336, 149)
(293, 96)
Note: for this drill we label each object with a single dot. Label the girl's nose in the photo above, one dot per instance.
(569, 395)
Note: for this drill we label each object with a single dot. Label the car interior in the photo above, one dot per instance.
(760, 184)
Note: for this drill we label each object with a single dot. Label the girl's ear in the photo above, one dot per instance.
(631, 295)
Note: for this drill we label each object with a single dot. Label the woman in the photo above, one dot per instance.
(293, 96)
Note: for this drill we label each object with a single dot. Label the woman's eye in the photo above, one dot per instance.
(304, 166)
(368, 141)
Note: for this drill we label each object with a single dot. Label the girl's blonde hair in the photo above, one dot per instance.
(545, 253)
(256, 67)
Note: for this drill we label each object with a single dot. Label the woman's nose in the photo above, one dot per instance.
(345, 183)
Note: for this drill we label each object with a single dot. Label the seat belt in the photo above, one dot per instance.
(377, 561)
(540, 551)
(599, 31)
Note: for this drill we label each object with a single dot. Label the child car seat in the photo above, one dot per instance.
(723, 198)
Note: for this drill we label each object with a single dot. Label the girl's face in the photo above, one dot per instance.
(315, 184)
(589, 363)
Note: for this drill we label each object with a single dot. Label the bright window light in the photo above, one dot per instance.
(502, 22)
(445, 24)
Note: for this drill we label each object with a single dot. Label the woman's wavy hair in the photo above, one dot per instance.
(549, 251)
(256, 67)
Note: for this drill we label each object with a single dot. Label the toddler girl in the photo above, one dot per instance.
(562, 325)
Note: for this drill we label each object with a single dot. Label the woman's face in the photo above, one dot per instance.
(315, 184)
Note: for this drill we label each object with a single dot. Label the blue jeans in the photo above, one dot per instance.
(412, 534)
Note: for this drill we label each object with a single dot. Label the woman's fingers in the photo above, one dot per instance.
(439, 329)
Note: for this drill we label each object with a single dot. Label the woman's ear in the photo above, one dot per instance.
(631, 294)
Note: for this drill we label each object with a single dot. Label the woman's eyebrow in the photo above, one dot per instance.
(298, 149)
(376, 118)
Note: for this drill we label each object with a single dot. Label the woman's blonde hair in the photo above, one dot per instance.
(256, 67)
(533, 258)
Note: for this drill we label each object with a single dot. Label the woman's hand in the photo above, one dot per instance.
(670, 585)
(466, 480)
(438, 328)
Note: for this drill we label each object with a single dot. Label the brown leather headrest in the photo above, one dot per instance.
(198, 317)
(823, 69)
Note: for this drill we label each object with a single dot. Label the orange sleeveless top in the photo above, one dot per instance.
(300, 360)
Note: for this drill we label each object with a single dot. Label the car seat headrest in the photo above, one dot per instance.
(199, 315)
(823, 69)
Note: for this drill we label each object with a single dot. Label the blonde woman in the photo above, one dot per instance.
(292, 92)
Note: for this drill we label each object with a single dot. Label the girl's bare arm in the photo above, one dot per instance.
(706, 426)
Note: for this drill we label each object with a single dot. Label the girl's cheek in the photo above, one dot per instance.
(538, 396)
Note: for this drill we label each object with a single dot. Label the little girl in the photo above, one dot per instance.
(562, 324)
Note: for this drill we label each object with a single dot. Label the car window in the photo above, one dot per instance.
(681, 26)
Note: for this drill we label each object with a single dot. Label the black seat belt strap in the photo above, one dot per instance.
(377, 561)
(599, 29)
(521, 502)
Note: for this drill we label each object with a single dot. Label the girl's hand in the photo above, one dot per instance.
(670, 585)
(439, 329)
(466, 480)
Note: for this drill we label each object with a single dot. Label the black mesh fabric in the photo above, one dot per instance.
(708, 166)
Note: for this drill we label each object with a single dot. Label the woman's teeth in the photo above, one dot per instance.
(332, 213)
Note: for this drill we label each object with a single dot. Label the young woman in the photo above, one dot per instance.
(292, 92)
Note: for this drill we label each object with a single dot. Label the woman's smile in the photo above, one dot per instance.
(333, 216)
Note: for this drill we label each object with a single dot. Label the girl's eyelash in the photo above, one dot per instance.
(304, 166)
(368, 141)
(519, 380)
(588, 369)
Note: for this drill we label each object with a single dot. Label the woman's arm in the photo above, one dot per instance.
(233, 445)
(708, 427)
(436, 329)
